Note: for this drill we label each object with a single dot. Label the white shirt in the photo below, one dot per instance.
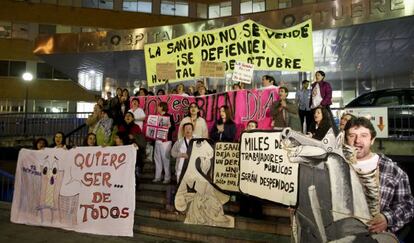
(200, 128)
(139, 116)
(179, 147)
(316, 96)
(367, 165)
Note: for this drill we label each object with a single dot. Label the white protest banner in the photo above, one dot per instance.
(243, 72)
(265, 171)
(157, 127)
(85, 189)
(226, 166)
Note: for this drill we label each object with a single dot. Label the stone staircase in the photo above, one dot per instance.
(153, 217)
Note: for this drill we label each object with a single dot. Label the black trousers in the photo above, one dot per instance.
(308, 115)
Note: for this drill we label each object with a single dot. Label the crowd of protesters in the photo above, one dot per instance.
(119, 120)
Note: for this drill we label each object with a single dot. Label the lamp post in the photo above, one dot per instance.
(27, 77)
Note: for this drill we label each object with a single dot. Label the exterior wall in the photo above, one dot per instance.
(44, 89)
(76, 16)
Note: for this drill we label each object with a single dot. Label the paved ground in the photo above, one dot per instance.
(18, 233)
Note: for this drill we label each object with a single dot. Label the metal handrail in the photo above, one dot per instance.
(39, 124)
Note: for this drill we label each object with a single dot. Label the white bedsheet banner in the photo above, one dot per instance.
(265, 170)
(85, 189)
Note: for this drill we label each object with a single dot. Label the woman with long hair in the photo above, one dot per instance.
(321, 123)
(138, 112)
(129, 126)
(90, 140)
(321, 96)
(40, 144)
(199, 123)
(225, 129)
(59, 140)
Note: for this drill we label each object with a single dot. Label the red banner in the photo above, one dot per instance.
(245, 105)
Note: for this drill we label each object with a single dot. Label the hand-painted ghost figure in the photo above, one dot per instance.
(203, 202)
(334, 202)
(51, 182)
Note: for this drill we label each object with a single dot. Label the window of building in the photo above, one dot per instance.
(103, 4)
(252, 6)
(246, 6)
(308, 1)
(202, 10)
(130, 5)
(5, 29)
(17, 68)
(4, 68)
(84, 107)
(90, 79)
(20, 31)
(92, 29)
(213, 11)
(168, 7)
(106, 4)
(285, 3)
(219, 10)
(225, 9)
(181, 8)
(144, 6)
(55, 106)
(47, 29)
(44, 70)
(176, 8)
(63, 29)
(59, 75)
(259, 6)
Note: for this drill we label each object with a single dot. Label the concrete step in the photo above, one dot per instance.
(157, 197)
(149, 167)
(279, 226)
(17, 233)
(146, 176)
(275, 210)
(180, 231)
(269, 210)
(151, 186)
(156, 193)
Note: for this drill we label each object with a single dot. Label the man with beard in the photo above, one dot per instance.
(396, 200)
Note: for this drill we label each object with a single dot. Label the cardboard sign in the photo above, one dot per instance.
(212, 69)
(226, 166)
(165, 70)
(85, 189)
(265, 171)
(243, 72)
(377, 115)
(157, 127)
(202, 202)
